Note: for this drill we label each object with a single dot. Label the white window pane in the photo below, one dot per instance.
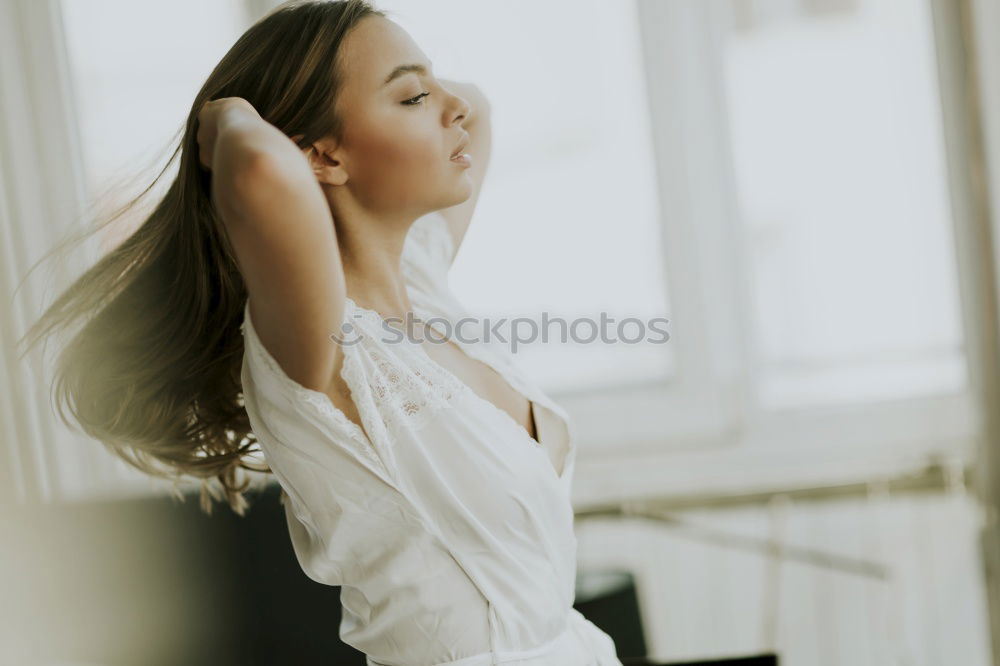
(136, 67)
(842, 184)
(568, 220)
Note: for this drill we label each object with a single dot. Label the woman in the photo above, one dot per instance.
(317, 201)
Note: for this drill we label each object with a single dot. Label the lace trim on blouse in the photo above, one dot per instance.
(403, 390)
(317, 401)
(407, 389)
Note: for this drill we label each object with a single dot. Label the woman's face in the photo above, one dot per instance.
(400, 127)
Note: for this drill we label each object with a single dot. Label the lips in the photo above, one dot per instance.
(461, 147)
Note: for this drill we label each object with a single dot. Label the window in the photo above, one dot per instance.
(842, 187)
(136, 68)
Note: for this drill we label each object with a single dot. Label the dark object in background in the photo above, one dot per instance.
(156, 582)
(609, 600)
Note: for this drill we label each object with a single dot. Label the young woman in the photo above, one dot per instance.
(318, 201)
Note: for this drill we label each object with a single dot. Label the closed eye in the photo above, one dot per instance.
(415, 101)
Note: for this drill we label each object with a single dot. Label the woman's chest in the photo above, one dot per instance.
(482, 379)
(486, 383)
(409, 374)
(477, 376)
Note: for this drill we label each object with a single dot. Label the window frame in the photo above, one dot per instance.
(704, 432)
(979, 23)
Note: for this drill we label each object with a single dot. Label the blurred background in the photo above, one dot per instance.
(808, 189)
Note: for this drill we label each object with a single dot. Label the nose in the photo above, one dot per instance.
(462, 108)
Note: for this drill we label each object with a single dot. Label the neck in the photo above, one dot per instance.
(370, 251)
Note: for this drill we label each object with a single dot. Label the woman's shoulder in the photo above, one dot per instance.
(274, 401)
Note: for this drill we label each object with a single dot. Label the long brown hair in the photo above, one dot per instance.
(154, 371)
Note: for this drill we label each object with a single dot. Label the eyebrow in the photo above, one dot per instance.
(404, 69)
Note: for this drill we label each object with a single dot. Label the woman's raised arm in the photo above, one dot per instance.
(282, 232)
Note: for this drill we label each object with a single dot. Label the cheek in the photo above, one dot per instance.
(401, 155)
(414, 150)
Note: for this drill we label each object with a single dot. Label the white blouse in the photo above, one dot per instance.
(447, 526)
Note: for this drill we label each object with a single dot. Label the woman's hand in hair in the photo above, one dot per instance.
(213, 116)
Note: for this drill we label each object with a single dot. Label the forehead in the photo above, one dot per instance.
(372, 50)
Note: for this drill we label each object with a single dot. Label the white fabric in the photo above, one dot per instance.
(449, 530)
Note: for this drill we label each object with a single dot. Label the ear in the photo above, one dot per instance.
(320, 154)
